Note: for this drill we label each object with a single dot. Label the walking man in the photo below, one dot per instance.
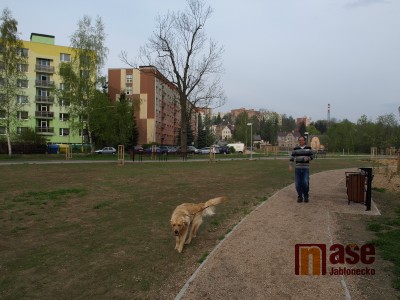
(301, 156)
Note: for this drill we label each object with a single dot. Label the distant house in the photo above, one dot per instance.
(222, 132)
(288, 140)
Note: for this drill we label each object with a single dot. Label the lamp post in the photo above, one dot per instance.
(251, 139)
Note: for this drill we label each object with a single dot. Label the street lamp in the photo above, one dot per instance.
(251, 139)
(306, 137)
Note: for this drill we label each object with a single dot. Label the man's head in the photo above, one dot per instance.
(302, 141)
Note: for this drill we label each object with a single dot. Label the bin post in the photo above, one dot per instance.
(368, 173)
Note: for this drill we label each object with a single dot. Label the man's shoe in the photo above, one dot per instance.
(306, 200)
(299, 200)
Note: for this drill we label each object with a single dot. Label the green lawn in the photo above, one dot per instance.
(102, 230)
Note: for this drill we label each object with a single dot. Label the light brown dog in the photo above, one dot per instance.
(188, 217)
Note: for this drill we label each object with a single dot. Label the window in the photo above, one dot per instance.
(22, 52)
(43, 77)
(2, 114)
(22, 99)
(22, 115)
(84, 74)
(84, 131)
(2, 81)
(2, 130)
(64, 131)
(64, 57)
(22, 68)
(42, 92)
(22, 83)
(63, 102)
(129, 78)
(64, 117)
(22, 129)
(43, 62)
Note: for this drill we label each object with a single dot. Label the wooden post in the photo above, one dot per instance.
(374, 153)
(212, 154)
(121, 155)
(68, 152)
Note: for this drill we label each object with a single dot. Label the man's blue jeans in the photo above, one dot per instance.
(302, 182)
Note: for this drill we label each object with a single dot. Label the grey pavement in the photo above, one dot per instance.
(257, 259)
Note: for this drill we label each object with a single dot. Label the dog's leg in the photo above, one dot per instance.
(182, 239)
(187, 242)
(177, 242)
(194, 226)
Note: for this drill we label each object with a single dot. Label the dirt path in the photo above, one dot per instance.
(257, 260)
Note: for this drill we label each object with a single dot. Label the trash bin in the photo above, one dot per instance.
(355, 182)
(359, 186)
(52, 149)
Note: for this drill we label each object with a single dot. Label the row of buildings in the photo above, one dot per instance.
(155, 99)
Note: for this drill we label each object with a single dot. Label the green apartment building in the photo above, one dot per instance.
(41, 110)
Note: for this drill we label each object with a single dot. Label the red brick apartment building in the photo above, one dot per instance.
(155, 100)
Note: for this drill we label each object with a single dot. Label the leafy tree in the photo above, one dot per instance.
(386, 130)
(342, 136)
(181, 51)
(29, 136)
(321, 126)
(228, 118)
(288, 124)
(242, 131)
(312, 130)
(218, 120)
(81, 76)
(302, 128)
(124, 120)
(12, 75)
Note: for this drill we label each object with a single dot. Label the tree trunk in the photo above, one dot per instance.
(8, 142)
(183, 126)
(90, 136)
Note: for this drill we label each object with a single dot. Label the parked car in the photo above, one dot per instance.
(224, 149)
(138, 149)
(189, 150)
(106, 150)
(150, 150)
(164, 149)
(205, 150)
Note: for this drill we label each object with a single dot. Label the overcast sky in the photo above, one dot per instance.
(289, 56)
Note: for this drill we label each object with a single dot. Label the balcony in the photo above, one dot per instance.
(44, 69)
(45, 130)
(45, 99)
(44, 114)
(44, 83)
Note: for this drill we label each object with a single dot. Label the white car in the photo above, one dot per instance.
(106, 150)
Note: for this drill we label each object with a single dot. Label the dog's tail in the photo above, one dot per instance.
(210, 204)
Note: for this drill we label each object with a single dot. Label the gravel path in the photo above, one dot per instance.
(257, 260)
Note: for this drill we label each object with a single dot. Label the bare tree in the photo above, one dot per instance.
(181, 51)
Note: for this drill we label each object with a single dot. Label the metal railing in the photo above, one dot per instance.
(43, 68)
(44, 83)
(44, 130)
(44, 114)
(44, 99)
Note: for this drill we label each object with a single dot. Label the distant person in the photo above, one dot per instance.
(301, 156)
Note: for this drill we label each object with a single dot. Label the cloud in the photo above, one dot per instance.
(361, 3)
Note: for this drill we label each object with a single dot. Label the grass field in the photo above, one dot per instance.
(102, 231)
